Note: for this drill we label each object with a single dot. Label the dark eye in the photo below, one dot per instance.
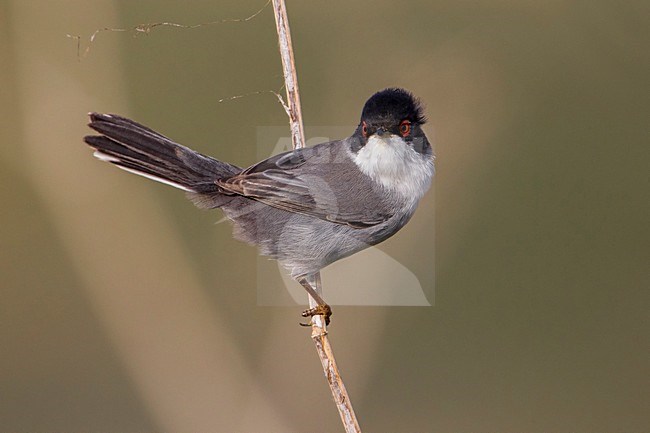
(364, 129)
(405, 127)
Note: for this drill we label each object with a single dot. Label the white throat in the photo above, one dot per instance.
(394, 164)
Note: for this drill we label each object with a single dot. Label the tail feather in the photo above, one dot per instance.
(138, 149)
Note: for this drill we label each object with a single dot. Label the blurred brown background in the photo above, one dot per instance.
(124, 309)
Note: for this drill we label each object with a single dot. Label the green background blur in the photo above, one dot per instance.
(125, 309)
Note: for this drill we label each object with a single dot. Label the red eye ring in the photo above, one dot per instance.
(405, 128)
(364, 129)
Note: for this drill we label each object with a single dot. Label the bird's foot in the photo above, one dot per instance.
(319, 310)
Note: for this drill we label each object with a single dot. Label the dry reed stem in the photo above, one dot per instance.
(319, 329)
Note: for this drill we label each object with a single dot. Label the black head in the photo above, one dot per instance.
(392, 111)
(392, 106)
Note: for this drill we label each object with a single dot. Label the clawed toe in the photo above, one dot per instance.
(319, 310)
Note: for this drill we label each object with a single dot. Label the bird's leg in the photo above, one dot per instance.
(322, 309)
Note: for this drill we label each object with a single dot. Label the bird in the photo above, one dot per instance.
(308, 207)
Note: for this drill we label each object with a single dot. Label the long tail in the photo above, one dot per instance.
(140, 150)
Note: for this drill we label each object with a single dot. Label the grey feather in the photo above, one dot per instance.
(321, 181)
(309, 207)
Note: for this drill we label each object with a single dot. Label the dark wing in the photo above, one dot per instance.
(301, 182)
